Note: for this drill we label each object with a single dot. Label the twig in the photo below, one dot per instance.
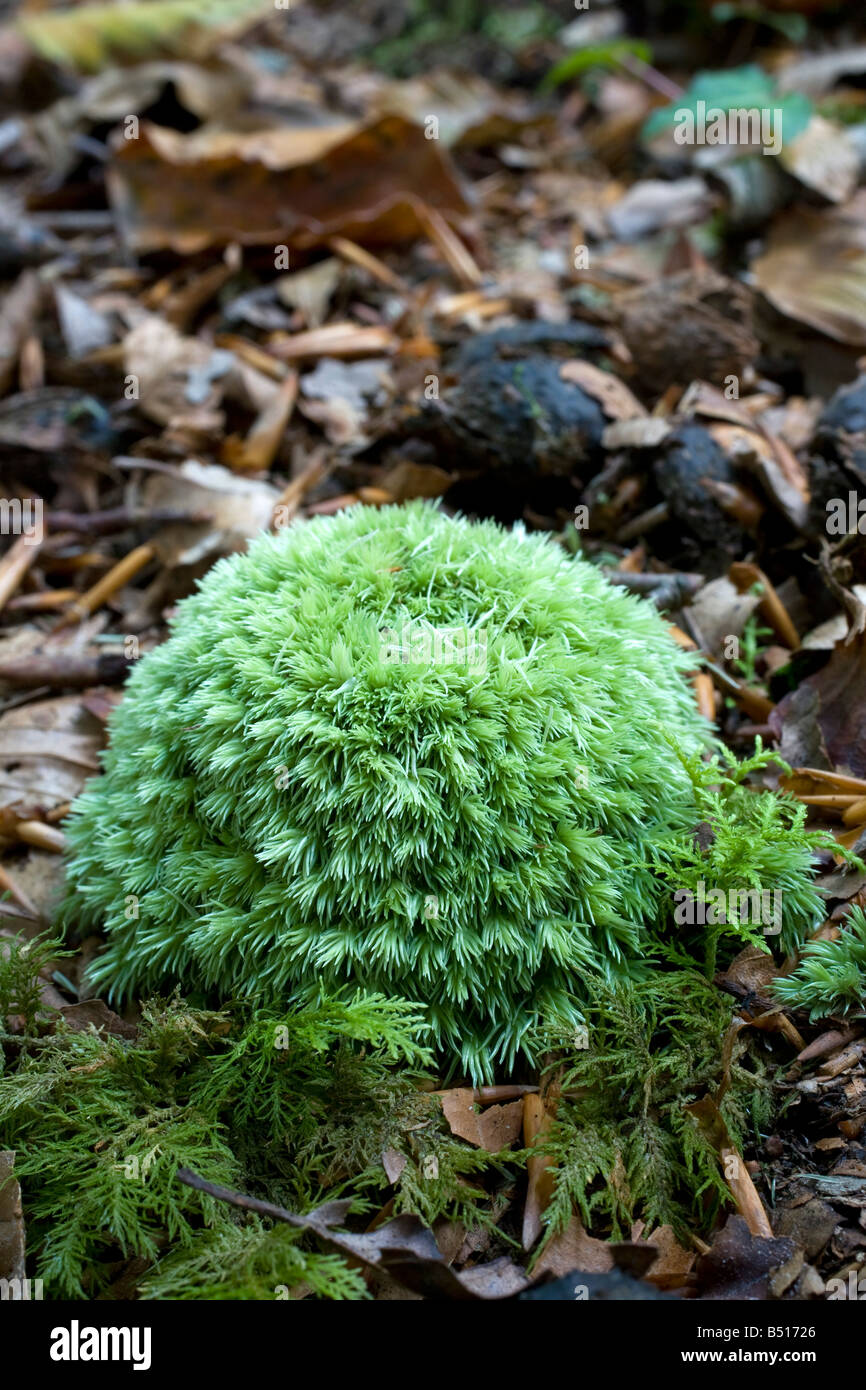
(647, 521)
(455, 255)
(41, 836)
(365, 260)
(108, 585)
(119, 518)
(14, 565)
(771, 607)
(58, 669)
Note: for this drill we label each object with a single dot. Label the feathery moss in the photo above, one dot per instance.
(398, 749)
(831, 977)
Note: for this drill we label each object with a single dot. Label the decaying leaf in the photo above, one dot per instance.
(295, 186)
(573, 1249)
(814, 269)
(404, 1247)
(492, 1127)
(239, 508)
(48, 749)
(612, 394)
(838, 706)
(739, 1263)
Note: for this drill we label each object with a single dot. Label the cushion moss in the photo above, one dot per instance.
(294, 800)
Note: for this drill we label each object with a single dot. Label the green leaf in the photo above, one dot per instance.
(601, 55)
(747, 87)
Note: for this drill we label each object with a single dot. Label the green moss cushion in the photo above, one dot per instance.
(398, 750)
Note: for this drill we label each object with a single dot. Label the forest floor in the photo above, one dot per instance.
(259, 265)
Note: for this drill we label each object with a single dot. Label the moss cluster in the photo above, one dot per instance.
(298, 1109)
(831, 977)
(398, 749)
(286, 1107)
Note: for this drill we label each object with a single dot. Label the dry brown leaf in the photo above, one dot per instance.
(612, 394)
(840, 711)
(281, 186)
(407, 480)
(814, 269)
(770, 459)
(823, 157)
(393, 1162)
(470, 112)
(571, 1250)
(48, 749)
(641, 432)
(240, 508)
(739, 1263)
(493, 1128)
(180, 380)
(95, 1013)
(672, 1263)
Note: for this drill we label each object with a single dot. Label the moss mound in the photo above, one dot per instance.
(397, 750)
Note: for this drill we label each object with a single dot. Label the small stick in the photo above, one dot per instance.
(71, 564)
(257, 451)
(839, 801)
(46, 598)
(705, 695)
(330, 505)
(294, 492)
(108, 585)
(252, 354)
(836, 779)
(647, 521)
(827, 1043)
(681, 638)
(60, 668)
(119, 518)
(756, 705)
(492, 1095)
(771, 607)
(744, 1193)
(14, 565)
(670, 589)
(651, 76)
(856, 814)
(452, 250)
(844, 1060)
(35, 832)
(365, 260)
(345, 339)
